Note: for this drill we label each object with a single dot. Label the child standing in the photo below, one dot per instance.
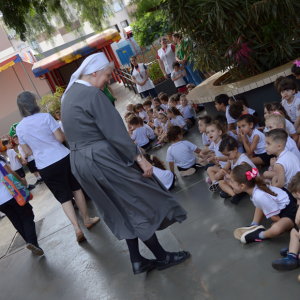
(29, 161)
(140, 134)
(141, 112)
(176, 118)
(166, 177)
(187, 111)
(229, 148)
(253, 140)
(221, 104)
(271, 202)
(177, 77)
(180, 153)
(16, 162)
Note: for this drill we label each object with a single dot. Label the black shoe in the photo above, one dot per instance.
(285, 264)
(236, 198)
(143, 266)
(35, 249)
(30, 187)
(39, 181)
(178, 258)
(284, 251)
(252, 236)
(214, 186)
(224, 195)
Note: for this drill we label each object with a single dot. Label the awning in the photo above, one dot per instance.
(14, 58)
(127, 32)
(75, 52)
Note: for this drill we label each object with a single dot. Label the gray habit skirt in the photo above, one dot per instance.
(130, 204)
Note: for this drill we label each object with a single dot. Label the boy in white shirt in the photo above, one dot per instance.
(16, 163)
(287, 164)
(142, 113)
(177, 77)
(140, 134)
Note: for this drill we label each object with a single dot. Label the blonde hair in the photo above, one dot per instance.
(278, 119)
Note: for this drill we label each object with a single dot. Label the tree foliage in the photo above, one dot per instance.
(271, 27)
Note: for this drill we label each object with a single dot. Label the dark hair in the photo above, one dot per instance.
(148, 98)
(147, 102)
(222, 98)
(218, 125)
(27, 103)
(150, 110)
(174, 110)
(191, 86)
(57, 112)
(220, 118)
(277, 83)
(157, 100)
(177, 35)
(5, 142)
(183, 96)
(239, 175)
(132, 66)
(248, 118)
(294, 185)
(207, 119)
(139, 105)
(228, 143)
(277, 135)
(158, 94)
(134, 109)
(3, 159)
(177, 97)
(236, 109)
(277, 106)
(173, 133)
(288, 84)
(127, 114)
(172, 98)
(164, 97)
(241, 98)
(134, 121)
(15, 136)
(154, 160)
(158, 108)
(175, 63)
(295, 70)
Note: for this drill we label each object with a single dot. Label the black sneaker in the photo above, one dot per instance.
(224, 195)
(285, 264)
(39, 181)
(252, 236)
(35, 249)
(236, 198)
(31, 187)
(284, 251)
(157, 146)
(214, 186)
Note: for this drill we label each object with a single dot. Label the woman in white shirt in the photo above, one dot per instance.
(20, 216)
(40, 135)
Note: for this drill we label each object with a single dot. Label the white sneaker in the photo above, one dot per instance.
(188, 172)
(199, 162)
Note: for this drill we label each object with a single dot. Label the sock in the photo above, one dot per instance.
(39, 178)
(215, 181)
(261, 235)
(254, 223)
(291, 256)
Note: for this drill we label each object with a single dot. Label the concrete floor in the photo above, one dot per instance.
(220, 267)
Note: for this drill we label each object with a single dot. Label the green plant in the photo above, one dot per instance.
(155, 73)
(52, 102)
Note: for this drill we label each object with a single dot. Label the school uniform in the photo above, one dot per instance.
(186, 112)
(166, 177)
(143, 115)
(30, 160)
(14, 162)
(157, 123)
(230, 120)
(292, 109)
(150, 132)
(179, 121)
(280, 205)
(179, 83)
(241, 147)
(205, 140)
(242, 159)
(290, 128)
(292, 147)
(215, 147)
(140, 136)
(167, 55)
(51, 157)
(181, 153)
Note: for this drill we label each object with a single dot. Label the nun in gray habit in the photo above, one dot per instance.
(109, 166)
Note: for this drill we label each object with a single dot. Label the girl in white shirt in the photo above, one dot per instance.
(187, 111)
(176, 118)
(229, 148)
(253, 140)
(158, 130)
(165, 123)
(271, 202)
(140, 134)
(166, 177)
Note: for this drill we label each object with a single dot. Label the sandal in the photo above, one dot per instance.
(80, 236)
(92, 222)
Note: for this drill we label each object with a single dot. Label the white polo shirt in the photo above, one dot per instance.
(290, 128)
(165, 176)
(215, 148)
(181, 153)
(14, 163)
(140, 136)
(186, 111)
(5, 195)
(180, 81)
(149, 131)
(292, 147)
(290, 163)
(179, 121)
(143, 115)
(241, 159)
(269, 204)
(37, 132)
(292, 109)
(260, 147)
(157, 123)
(29, 158)
(230, 120)
(205, 140)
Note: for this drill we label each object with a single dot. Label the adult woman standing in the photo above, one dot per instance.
(166, 56)
(40, 135)
(183, 57)
(109, 166)
(140, 76)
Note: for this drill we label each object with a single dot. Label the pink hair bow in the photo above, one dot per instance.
(161, 112)
(252, 174)
(297, 63)
(277, 113)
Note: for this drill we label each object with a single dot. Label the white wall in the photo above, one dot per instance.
(6, 52)
(48, 45)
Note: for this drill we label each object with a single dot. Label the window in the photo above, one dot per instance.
(115, 27)
(117, 6)
(34, 44)
(124, 24)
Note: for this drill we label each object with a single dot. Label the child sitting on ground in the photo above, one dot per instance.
(165, 124)
(129, 107)
(291, 253)
(29, 161)
(237, 109)
(180, 153)
(147, 105)
(172, 101)
(166, 177)
(151, 118)
(221, 104)
(177, 77)
(187, 111)
(164, 98)
(242, 98)
(127, 117)
(157, 102)
(253, 140)
(150, 131)
(271, 202)
(141, 112)
(229, 148)
(296, 69)
(16, 163)
(287, 164)
(140, 134)
(176, 118)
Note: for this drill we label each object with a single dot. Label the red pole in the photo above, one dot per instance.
(109, 58)
(135, 49)
(143, 56)
(112, 54)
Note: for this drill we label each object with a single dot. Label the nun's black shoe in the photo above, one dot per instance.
(172, 259)
(143, 266)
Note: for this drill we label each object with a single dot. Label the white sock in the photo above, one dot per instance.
(27, 185)
(39, 177)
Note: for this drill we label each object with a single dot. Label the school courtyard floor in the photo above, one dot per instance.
(220, 267)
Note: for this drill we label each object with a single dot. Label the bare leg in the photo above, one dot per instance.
(274, 180)
(70, 213)
(279, 227)
(257, 161)
(218, 176)
(81, 203)
(294, 246)
(226, 188)
(36, 174)
(258, 215)
(269, 174)
(212, 171)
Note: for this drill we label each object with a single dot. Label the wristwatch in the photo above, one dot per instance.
(139, 158)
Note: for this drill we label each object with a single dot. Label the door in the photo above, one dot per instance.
(124, 53)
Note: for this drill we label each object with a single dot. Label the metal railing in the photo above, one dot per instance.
(126, 79)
